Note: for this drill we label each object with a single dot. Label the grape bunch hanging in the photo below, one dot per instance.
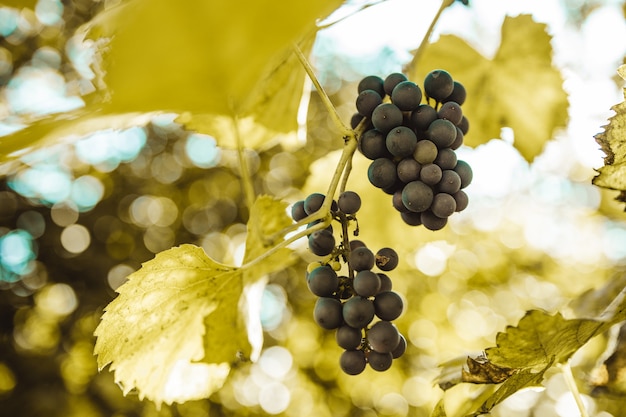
(360, 304)
(411, 144)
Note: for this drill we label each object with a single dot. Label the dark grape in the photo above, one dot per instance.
(327, 313)
(450, 182)
(400, 349)
(392, 80)
(459, 94)
(313, 203)
(349, 202)
(406, 95)
(446, 159)
(417, 196)
(408, 170)
(382, 173)
(352, 362)
(321, 242)
(465, 172)
(383, 337)
(394, 187)
(366, 283)
(443, 205)
(355, 120)
(379, 361)
(464, 125)
(372, 144)
(387, 116)
(425, 152)
(387, 259)
(361, 258)
(422, 117)
(442, 133)
(388, 305)
(411, 218)
(401, 141)
(458, 141)
(323, 281)
(356, 244)
(432, 222)
(297, 211)
(385, 283)
(397, 203)
(367, 101)
(358, 312)
(430, 174)
(438, 84)
(372, 82)
(450, 110)
(348, 337)
(462, 200)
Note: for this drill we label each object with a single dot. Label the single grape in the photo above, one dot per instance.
(356, 244)
(465, 172)
(372, 144)
(367, 101)
(355, 120)
(462, 200)
(432, 222)
(425, 152)
(327, 313)
(451, 110)
(323, 281)
(401, 141)
(411, 218)
(459, 94)
(392, 80)
(406, 95)
(352, 362)
(417, 196)
(361, 258)
(383, 337)
(443, 205)
(446, 159)
(379, 361)
(431, 174)
(382, 173)
(385, 283)
(388, 305)
(366, 283)
(313, 203)
(397, 203)
(358, 312)
(349, 202)
(400, 349)
(442, 133)
(464, 125)
(458, 141)
(422, 117)
(297, 211)
(408, 170)
(348, 337)
(387, 259)
(387, 116)
(450, 182)
(438, 84)
(321, 242)
(372, 82)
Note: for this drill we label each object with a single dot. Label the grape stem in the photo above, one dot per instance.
(571, 384)
(246, 178)
(426, 39)
(360, 9)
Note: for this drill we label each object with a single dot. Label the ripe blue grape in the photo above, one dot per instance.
(323, 281)
(411, 218)
(401, 141)
(422, 117)
(450, 182)
(462, 200)
(443, 205)
(297, 211)
(442, 133)
(387, 259)
(446, 159)
(348, 337)
(383, 337)
(430, 174)
(458, 141)
(417, 196)
(352, 362)
(366, 283)
(349, 202)
(321, 242)
(382, 173)
(367, 101)
(425, 152)
(464, 125)
(465, 172)
(406, 95)
(379, 361)
(387, 116)
(397, 203)
(385, 283)
(451, 110)
(372, 144)
(313, 203)
(388, 305)
(432, 222)
(392, 80)
(408, 170)
(327, 313)
(372, 82)
(459, 94)
(358, 312)
(438, 84)
(361, 258)
(400, 349)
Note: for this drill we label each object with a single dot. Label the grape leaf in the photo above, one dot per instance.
(519, 88)
(180, 322)
(439, 410)
(613, 142)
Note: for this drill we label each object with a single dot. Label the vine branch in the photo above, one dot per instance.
(571, 384)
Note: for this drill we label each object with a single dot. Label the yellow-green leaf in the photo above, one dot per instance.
(519, 88)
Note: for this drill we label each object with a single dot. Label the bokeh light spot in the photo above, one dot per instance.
(276, 361)
(432, 258)
(57, 299)
(75, 238)
(118, 275)
(63, 214)
(33, 222)
(16, 252)
(49, 12)
(7, 380)
(274, 398)
(86, 192)
(202, 150)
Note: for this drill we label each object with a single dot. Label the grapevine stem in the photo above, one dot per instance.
(571, 384)
(246, 179)
(360, 9)
(324, 97)
(420, 49)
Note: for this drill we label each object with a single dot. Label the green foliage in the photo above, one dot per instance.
(519, 88)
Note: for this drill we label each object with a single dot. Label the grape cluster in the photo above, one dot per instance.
(411, 144)
(360, 304)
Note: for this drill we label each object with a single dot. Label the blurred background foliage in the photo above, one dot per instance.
(74, 224)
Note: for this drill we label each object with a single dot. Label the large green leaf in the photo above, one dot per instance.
(182, 320)
(519, 88)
